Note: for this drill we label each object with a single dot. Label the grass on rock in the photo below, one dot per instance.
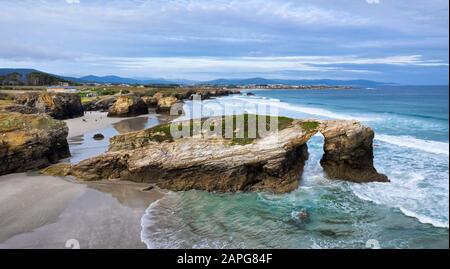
(162, 132)
(310, 125)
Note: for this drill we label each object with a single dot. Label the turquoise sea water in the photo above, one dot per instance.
(411, 147)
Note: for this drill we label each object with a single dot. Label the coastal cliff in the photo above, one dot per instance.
(214, 163)
(30, 142)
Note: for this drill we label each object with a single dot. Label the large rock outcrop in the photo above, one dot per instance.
(128, 106)
(348, 152)
(212, 164)
(57, 105)
(215, 163)
(30, 142)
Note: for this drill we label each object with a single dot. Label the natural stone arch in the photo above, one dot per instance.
(272, 163)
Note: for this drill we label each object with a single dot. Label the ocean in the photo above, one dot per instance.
(412, 211)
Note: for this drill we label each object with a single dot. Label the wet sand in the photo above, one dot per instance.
(95, 120)
(91, 121)
(44, 212)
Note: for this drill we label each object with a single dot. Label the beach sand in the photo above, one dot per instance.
(44, 212)
(40, 211)
(91, 121)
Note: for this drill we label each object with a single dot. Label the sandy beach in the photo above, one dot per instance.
(44, 212)
(91, 121)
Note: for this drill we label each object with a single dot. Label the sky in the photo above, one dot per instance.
(399, 41)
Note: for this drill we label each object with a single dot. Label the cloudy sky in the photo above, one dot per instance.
(403, 41)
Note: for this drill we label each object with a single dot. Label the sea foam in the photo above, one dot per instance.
(430, 146)
(283, 106)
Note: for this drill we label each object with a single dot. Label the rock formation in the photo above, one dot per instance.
(209, 164)
(270, 163)
(128, 106)
(165, 103)
(166, 98)
(100, 105)
(30, 141)
(150, 101)
(98, 136)
(348, 152)
(57, 105)
(21, 109)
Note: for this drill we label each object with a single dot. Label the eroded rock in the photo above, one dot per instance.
(57, 105)
(100, 105)
(348, 152)
(21, 109)
(30, 141)
(150, 101)
(165, 103)
(215, 163)
(98, 136)
(128, 106)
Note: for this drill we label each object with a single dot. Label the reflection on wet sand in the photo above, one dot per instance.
(131, 125)
(53, 210)
(143, 122)
(130, 194)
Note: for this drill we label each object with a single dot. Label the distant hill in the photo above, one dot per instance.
(13, 76)
(21, 71)
(31, 77)
(122, 80)
(109, 79)
(263, 81)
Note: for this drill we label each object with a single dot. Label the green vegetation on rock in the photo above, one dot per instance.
(162, 132)
(310, 125)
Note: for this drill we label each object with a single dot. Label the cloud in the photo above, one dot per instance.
(25, 52)
(208, 66)
(220, 37)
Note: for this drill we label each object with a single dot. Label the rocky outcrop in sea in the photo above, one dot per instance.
(348, 151)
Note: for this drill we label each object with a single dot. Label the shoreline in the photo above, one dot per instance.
(97, 215)
(91, 212)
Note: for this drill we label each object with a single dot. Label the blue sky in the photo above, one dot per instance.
(398, 41)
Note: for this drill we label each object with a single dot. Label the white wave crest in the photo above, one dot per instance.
(430, 146)
(305, 110)
(424, 219)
